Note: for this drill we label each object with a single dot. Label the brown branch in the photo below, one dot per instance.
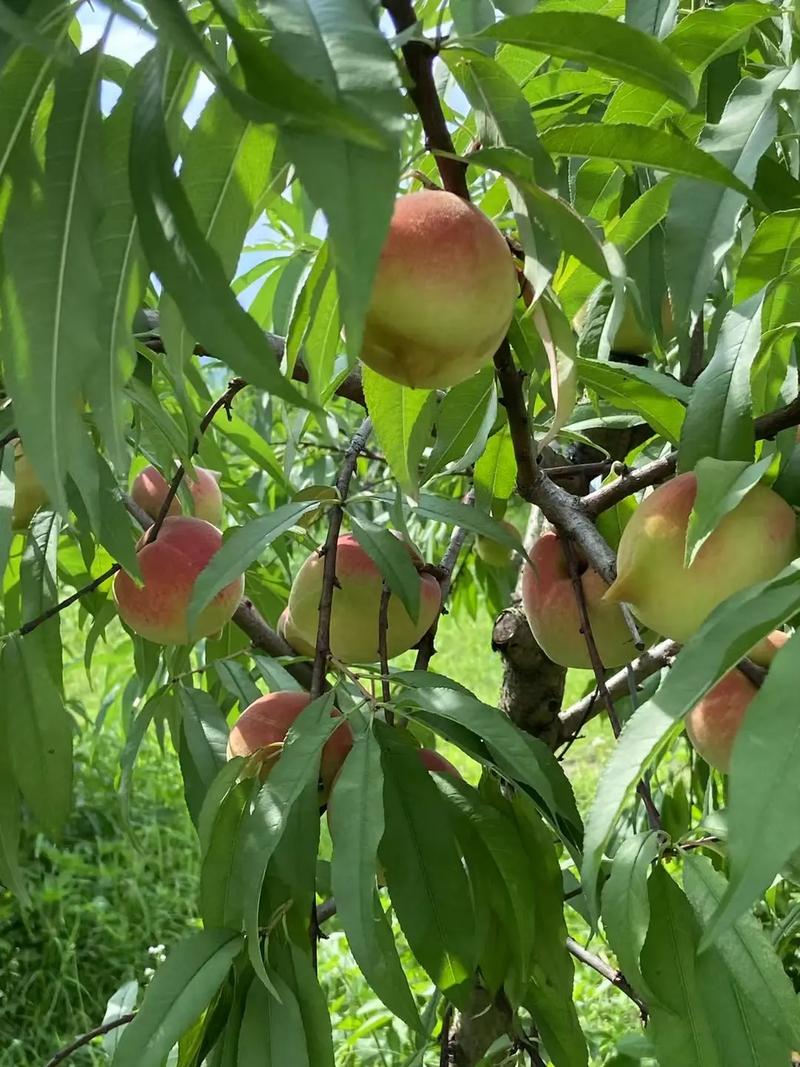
(323, 650)
(419, 57)
(615, 977)
(599, 669)
(572, 719)
(88, 1037)
(31, 625)
(444, 1037)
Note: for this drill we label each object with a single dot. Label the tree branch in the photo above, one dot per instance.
(329, 551)
(89, 1036)
(615, 977)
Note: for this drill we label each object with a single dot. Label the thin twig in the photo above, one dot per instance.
(599, 669)
(89, 1036)
(31, 625)
(328, 551)
(615, 977)
(444, 1037)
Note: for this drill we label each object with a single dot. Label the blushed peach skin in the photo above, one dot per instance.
(444, 293)
(752, 544)
(713, 723)
(432, 760)
(150, 487)
(356, 606)
(265, 723)
(157, 610)
(550, 606)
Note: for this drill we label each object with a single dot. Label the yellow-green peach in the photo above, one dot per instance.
(29, 494)
(444, 293)
(170, 565)
(751, 544)
(548, 598)
(495, 553)
(356, 606)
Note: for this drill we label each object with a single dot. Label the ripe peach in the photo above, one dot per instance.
(548, 598)
(495, 553)
(29, 494)
(768, 648)
(170, 565)
(264, 725)
(432, 760)
(356, 606)
(713, 723)
(751, 544)
(444, 293)
(150, 488)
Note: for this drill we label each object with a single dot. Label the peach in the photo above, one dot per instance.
(149, 490)
(444, 293)
(768, 648)
(631, 338)
(356, 606)
(548, 598)
(495, 553)
(289, 632)
(29, 494)
(263, 727)
(157, 610)
(713, 723)
(432, 760)
(751, 544)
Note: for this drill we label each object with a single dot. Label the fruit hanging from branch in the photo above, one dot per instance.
(443, 296)
(150, 487)
(29, 494)
(752, 543)
(170, 565)
(355, 614)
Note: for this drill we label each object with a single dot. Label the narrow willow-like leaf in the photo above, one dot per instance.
(721, 486)
(463, 422)
(272, 1033)
(496, 470)
(626, 906)
(627, 391)
(402, 419)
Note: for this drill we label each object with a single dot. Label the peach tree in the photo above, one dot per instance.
(300, 304)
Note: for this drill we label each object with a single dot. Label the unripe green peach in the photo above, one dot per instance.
(29, 494)
(548, 597)
(289, 632)
(444, 293)
(170, 565)
(630, 338)
(356, 606)
(495, 553)
(150, 487)
(264, 724)
(751, 544)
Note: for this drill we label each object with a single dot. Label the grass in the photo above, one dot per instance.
(105, 898)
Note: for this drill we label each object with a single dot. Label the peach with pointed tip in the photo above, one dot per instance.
(356, 605)
(548, 598)
(264, 724)
(289, 632)
(714, 721)
(170, 565)
(751, 544)
(29, 494)
(150, 487)
(444, 293)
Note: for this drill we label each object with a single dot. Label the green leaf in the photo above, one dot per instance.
(10, 824)
(355, 812)
(181, 989)
(774, 250)
(463, 422)
(426, 880)
(354, 186)
(179, 253)
(519, 756)
(719, 419)
(728, 634)
(626, 905)
(762, 831)
(39, 732)
(272, 1033)
(402, 419)
(680, 1027)
(702, 219)
(205, 732)
(602, 44)
(7, 468)
(550, 993)
(294, 965)
(240, 547)
(219, 835)
(495, 475)
(51, 284)
(236, 681)
(627, 143)
(656, 17)
(454, 513)
(614, 383)
(746, 950)
(391, 557)
(721, 486)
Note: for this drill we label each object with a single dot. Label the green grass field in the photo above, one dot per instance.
(105, 898)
